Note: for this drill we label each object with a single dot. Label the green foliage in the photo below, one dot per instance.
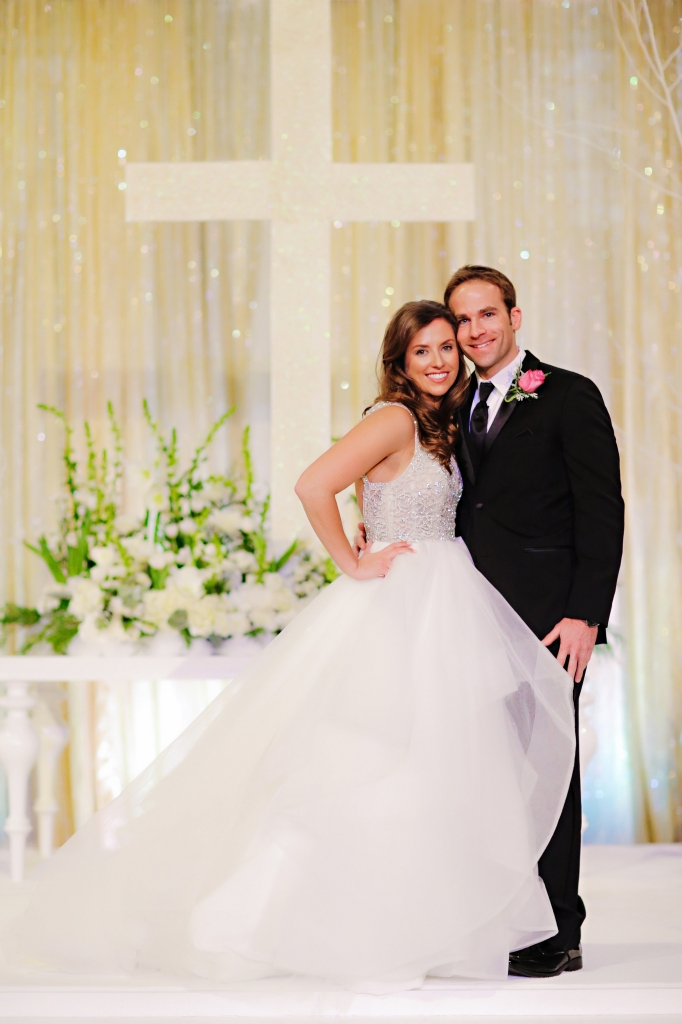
(125, 578)
(59, 630)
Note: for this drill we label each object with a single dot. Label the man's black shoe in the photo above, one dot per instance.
(534, 963)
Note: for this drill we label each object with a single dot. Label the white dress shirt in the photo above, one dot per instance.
(501, 383)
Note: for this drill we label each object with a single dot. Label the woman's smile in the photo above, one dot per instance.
(432, 359)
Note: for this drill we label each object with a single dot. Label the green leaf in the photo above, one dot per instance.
(50, 561)
(158, 577)
(179, 619)
(17, 615)
(283, 559)
(59, 631)
(75, 560)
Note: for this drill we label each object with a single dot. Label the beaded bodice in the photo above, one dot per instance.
(420, 504)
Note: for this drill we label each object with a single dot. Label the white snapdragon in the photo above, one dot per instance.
(188, 527)
(126, 524)
(86, 498)
(243, 560)
(156, 499)
(160, 559)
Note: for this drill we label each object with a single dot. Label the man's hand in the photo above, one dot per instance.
(576, 643)
(360, 539)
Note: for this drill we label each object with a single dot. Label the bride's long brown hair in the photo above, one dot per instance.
(438, 428)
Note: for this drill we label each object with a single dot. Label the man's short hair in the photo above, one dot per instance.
(474, 273)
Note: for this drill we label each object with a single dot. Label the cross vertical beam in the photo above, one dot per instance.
(300, 190)
(300, 272)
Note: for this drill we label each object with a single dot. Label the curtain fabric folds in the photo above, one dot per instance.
(537, 94)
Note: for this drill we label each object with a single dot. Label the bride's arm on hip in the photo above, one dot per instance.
(387, 432)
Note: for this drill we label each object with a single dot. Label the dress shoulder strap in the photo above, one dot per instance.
(382, 405)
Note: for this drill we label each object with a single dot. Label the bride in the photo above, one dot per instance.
(368, 802)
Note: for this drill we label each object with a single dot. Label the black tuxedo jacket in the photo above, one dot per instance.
(543, 518)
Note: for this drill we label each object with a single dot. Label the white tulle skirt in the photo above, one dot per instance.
(366, 804)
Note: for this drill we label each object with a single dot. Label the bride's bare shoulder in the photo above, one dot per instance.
(390, 413)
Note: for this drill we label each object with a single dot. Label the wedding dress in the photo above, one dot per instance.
(366, 804)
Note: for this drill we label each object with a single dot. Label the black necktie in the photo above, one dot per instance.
(478, 426)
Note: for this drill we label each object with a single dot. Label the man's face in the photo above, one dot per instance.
(486, 332)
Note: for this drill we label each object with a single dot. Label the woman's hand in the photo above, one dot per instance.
(378, 563)
(359, 540)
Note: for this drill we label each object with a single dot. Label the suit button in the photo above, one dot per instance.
(479, 504)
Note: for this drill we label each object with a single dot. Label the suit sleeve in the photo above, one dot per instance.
(593, 467)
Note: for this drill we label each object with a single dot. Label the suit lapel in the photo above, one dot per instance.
(503, 414)
(507, 408)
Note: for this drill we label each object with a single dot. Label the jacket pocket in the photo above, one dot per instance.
(543, 551)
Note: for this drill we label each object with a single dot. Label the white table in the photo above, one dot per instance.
(22, 744)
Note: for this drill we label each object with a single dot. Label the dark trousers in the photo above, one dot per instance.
(559, 865)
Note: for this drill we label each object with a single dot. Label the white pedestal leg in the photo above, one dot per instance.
(53, 735)
(18, 751)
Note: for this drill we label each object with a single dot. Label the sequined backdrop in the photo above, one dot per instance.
(573, 157)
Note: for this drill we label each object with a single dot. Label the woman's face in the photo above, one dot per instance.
(432, 359)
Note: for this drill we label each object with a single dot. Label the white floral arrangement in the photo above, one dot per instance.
(196, 567)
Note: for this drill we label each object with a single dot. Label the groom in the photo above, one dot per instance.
(542, 515)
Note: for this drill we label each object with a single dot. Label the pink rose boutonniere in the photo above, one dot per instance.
(525, 385)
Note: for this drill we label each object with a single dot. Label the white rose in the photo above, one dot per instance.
(189, 580)
(171, 530)
(98, 574)
(159, 605)
(188, 527)
(104, 556)
(264, 618)
(202, 615)
(244, 560)
(86, 597)
(226, 520)
(138, 547)
(51, 596)
(229, 623)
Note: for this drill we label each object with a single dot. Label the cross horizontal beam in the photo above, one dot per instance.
(261, 190)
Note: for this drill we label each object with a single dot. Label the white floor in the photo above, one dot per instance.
(633, 968)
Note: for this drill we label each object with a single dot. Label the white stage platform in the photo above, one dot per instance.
(633, 969)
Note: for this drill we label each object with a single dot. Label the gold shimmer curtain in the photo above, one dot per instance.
(536, 93)
(94, 309)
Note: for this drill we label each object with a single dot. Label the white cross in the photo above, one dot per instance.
(300, 190)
